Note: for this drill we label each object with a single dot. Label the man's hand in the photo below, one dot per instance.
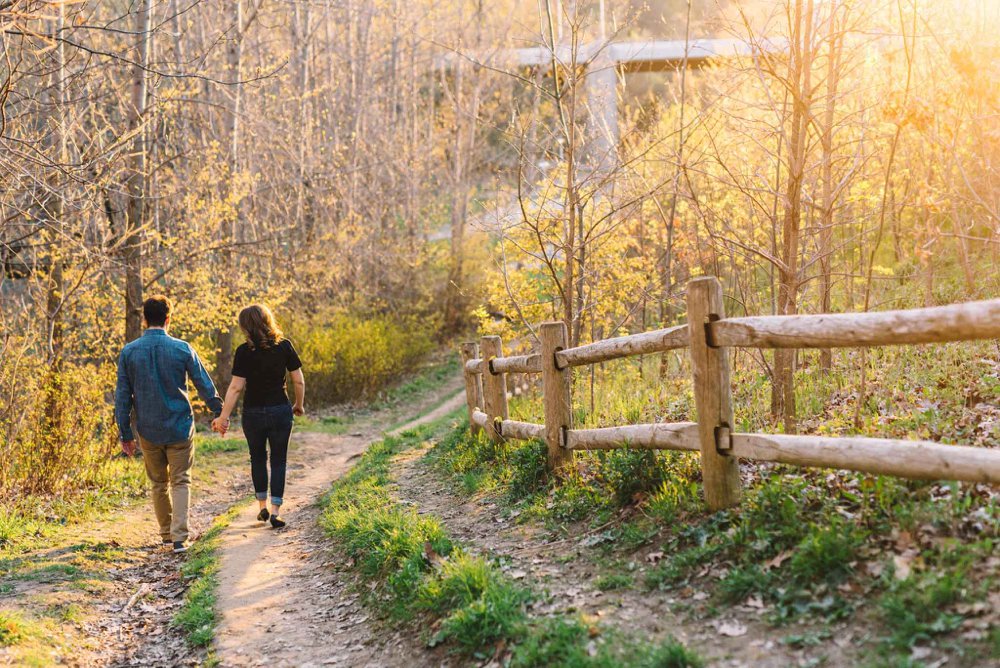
(220, 425)
(128, 447)
(297, 409)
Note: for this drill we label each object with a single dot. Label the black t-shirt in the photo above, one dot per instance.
(264, 369)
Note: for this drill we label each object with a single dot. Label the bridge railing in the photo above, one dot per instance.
(721, 447)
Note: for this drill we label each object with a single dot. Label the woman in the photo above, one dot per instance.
(259, 368)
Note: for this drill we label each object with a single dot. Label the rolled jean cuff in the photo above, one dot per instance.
(261, 496)
(275, 500)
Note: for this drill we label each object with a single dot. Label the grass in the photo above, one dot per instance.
(212, 445)
(26, 523)
(14, 628)
(197, 615)
(413, 572)
(26, 640)
(26, 520)
(809, 545)
(612, 581)
(334, 425)
(571, 643)
(419, 384)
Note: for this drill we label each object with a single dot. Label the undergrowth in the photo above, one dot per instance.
(416, 572)
(806, 545)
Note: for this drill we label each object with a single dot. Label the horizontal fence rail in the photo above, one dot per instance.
(520, 364)
(657, 341)
(937, 324)
(485, 370)
(919, 460)
(662, 436)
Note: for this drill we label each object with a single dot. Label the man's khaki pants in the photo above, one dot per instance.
(169, 469)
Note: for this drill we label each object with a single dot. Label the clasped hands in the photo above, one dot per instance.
(220, 425)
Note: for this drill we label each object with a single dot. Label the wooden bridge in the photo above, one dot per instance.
(713, 435)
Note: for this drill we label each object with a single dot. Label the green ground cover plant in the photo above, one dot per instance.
(24, 520)
(418, 572)
(810, 545)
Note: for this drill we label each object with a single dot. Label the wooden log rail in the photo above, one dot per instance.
(485, 369)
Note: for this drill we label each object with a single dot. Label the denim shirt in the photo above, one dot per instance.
(152, 378)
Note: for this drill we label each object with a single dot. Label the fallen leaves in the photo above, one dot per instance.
(776, 561)
(903, 563)
(731, 628)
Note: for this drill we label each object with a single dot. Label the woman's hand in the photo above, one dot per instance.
(297, 409)
(220, 425)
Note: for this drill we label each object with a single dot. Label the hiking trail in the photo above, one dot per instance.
(280, 601)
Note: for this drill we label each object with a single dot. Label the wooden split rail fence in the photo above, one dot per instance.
(721, 447)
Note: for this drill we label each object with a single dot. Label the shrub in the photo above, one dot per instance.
(554, 642)
(676, 495)
(13, 628)
(915, 609)
(612, 581)
(575, 499)
(627, 472)
(740, 583)
(497, 613)
(528, 474)
(351, 357)
(671, 653)
(825, 554)
(56, 431)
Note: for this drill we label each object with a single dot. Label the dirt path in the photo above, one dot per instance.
(117, 585)
(281, 602)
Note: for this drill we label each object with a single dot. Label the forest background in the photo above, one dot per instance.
(388, 177)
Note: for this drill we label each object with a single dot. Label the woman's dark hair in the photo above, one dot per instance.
(260, 327)
(156, 310)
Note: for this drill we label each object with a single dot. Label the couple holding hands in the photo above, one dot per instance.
(152, 383)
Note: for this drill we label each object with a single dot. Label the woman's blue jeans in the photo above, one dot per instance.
(266, 426)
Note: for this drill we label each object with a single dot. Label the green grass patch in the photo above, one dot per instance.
(334, 425)
(197, 616)
(212, 445)
(571, 643)
(14, 628)
(24, 521)
(807, 544)
(53, 572)
(612, 581)
(414, 571)
(425, 380)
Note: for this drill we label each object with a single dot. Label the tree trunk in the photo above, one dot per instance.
(800, 63)
(826, 224)
(135, 186)
(234, 62)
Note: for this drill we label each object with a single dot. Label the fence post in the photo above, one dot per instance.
(473, 384)
(494, 386)
(713, 395)
(558, 398)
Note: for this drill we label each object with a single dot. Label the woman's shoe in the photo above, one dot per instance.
(263, 515)
(277, 522)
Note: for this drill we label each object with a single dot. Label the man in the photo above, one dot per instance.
(152, 378)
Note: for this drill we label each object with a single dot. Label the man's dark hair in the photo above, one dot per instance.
(156, 310)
